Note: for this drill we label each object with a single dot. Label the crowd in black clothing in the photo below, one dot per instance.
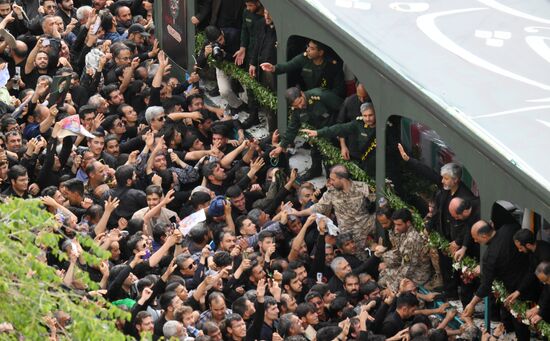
(212, 236)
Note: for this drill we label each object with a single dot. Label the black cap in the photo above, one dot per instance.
(138, 28)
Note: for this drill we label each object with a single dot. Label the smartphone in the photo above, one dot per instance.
(319, 277)
(45, 42)
(74, 248)
(245, 254)
(147, 255)
(212, 245)
(95, 28)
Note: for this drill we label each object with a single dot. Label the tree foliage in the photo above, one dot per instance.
(31, 290)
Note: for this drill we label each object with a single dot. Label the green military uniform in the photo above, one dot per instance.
(361, 140)
(327, 76)
(248, 35)
(317, 113)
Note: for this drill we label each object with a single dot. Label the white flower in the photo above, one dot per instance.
(456, 266)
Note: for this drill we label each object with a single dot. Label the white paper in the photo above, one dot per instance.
(191, 220)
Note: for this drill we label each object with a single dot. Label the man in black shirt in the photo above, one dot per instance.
(395, 322)
(350, 108)
(538, 252)
(501, 261)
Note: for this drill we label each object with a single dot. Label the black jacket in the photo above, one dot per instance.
(502, 261)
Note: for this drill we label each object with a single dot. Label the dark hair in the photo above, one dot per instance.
(287, 277)
(142, 315)
(74, 185)
(269, 301)
(159, 231)
(407, 300)
(166, 299)
(199, 198)
(265, 234)
(239, 306)
(343, 238)
(463, 205)
(49, 191)
(312, 294)
(198, 233)
(123, 174)
(212, 33)
(367, 288)
(215, 296)
(154, 189)
(222, 259)
(402, 214)
(132, 242)
(524, 237)
(321, 288)
(16, 171)
(233, 191)
(384, 211)
(110, 137)
(350, 275)
(337, 305)
(305, 308)
(328, 333)
(485, 230)
(107, 90)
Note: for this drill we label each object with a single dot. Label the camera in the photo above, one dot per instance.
(217, 52)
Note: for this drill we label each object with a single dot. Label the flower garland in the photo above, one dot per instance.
(263, 95)
(332, 156)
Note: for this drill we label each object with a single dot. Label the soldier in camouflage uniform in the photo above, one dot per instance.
(410, 255)
(349, 200)
(314, 108)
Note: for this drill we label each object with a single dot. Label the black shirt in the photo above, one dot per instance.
(392, 325)
(350, 109)
(502, 261)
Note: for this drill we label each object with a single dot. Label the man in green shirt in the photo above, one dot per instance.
(360, 138)
(312, 107)
(253, 14)
(317, 70)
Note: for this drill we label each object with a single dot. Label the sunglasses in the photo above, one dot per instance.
(161, 118)
(191, 266)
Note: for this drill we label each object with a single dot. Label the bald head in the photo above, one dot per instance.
(341, 171)
(460, 209)
(482, 232)
(362, 93)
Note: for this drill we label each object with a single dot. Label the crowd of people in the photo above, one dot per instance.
(211, 234)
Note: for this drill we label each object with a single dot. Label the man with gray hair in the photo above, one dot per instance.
(174, 329)
(443, 222)
(155, 117)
